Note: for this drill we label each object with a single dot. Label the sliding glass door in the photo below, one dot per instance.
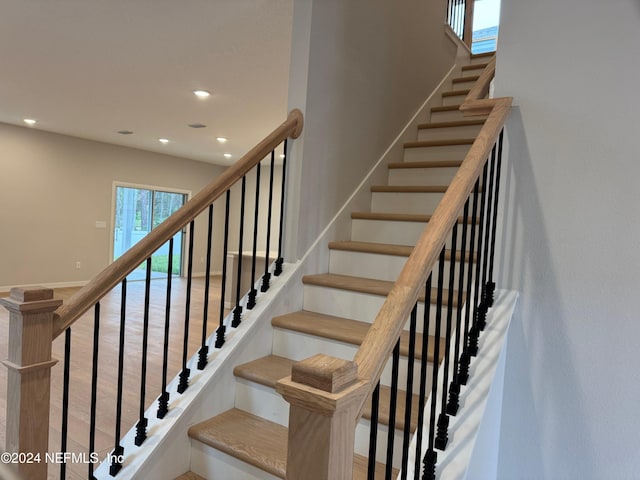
(138, 210)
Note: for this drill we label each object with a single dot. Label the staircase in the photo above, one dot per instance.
(250, 440)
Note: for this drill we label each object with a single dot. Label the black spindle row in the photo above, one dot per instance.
(459, 313)
(456, 16)
(149, 341)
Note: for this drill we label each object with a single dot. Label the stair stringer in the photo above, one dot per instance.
(167, 451)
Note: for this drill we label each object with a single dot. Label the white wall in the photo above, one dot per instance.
(572, 385)
(53, 188)
(359, 70)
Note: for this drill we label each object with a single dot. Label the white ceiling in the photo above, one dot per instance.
(89, 68)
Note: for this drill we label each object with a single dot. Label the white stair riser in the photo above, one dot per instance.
(453, 99)
(467, 84)
(447, 116)
(448, 133)
(298, 346)
(445, 152)
(393, 232)
(213, 464)
(402, 202)
(359, 306)
(422, 176)
(251, 398)
(261, 401)
(480, 60)
(376, 266)
(362, 442)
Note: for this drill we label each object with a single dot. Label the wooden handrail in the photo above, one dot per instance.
(102, 283)
(383, 334)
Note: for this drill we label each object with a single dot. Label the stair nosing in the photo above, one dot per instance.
(474, 66)
(396, 217)
(367, 285)
(440, 143)
(425, 164)
(409, 188)
(456, 93)
(470, 78)
(457, 123)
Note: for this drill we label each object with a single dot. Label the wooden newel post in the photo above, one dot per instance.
(325, 394)
(29, 375)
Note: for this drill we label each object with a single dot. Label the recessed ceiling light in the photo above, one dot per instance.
(282, 155)
(197, 125)
(227, 155)
(201, 93)
(163, 140)
(125, 132)
(221, 139)
(29, 121)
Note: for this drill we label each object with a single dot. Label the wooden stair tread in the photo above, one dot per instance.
(258, 442)
(458, 123)
(426, 164)
(474, 66)
(266, 370)
(395, 217)
(409, 188)
(455, 93)
(446, 108)
(190, 476)
(365, 285)
(464, 79)
(246, 437)
(381, 248)
(440, 143)
(346, 330)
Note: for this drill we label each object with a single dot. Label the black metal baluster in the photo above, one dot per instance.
(222, 328)
(465, 358)
(141, 426)
(65, 400)
(237, 312)
(267, 276)
(373, 433)
(163, 401)
(118, 449)
(279, 262)
(406, 439)
(392, 411)
(454, 388)
(183, 384)
(442, 437)
(251, 301)
(204, 348)
(422, 398)
(484, 307)
(491, 286)
(94, 387)
(431, 457)
(474, 335)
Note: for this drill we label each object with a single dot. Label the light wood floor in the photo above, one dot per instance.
(81, 362)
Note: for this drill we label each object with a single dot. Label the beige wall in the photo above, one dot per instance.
(360, 70)
(53, 188)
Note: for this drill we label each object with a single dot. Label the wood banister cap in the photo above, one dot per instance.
(33, 299)
(325, 373)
